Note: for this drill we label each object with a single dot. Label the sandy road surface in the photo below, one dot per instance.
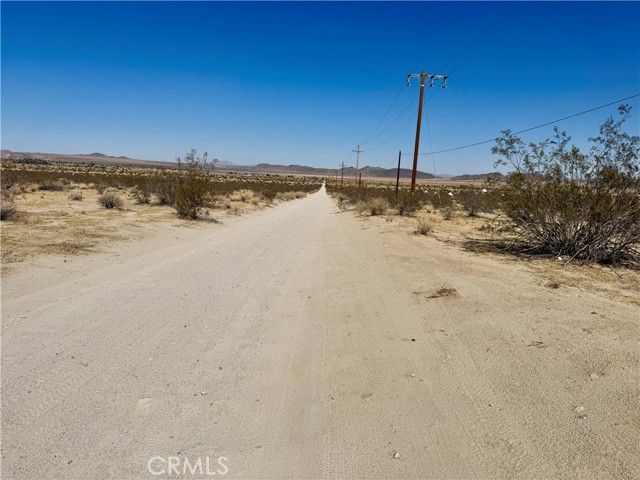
(306, 343)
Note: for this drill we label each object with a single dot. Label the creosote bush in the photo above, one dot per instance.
(409, 203)
(110, 200)
(568, 203)
(192, 190)
(473, 201)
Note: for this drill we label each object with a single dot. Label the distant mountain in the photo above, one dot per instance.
(226, 166)
(100, 155)
(479, 176)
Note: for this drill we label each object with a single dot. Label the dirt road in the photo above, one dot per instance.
(303, 342)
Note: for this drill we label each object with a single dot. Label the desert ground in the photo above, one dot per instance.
(303, 341)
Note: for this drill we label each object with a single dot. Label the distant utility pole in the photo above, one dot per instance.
(398, 177)
(431, 78)
(358, 152)
(342, 177)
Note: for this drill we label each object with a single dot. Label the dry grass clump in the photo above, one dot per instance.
(76, 196)
(443, 292)
(288, 196)
(448, 212)
(141, 195)
(236, 210)
(52, 185)
(110, 200)
(423, 226)
(244, 196)
(373, 206)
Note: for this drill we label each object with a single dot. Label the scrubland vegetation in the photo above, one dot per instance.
(556, 201)
(67, 208)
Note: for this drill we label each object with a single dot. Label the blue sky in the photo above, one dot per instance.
(306, 82)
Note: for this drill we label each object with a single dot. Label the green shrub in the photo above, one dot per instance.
(473, 201)
(192, 187)
(566, 203)
(408, 203)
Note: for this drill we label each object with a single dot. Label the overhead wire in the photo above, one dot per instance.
(442, 38)
(432, 94)
(534, 127)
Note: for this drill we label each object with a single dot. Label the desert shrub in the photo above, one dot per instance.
(566, 203)
(76, 196)
(376, 206)
(9, 179)
(343, 201)
(440, 198)
(110, 200)
(473, 201)
(52, 185)
(270, 195)
(192, 192)
(408, 203)
(288, 196)
(164, 188)
(423, 226)
(191, 197)
(448, 212)
(8, 208)
(141, 194)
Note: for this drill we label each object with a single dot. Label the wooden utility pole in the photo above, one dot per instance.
(358, 152)
(359, 179)
(398, 176)
(431, 78)
(342, 176)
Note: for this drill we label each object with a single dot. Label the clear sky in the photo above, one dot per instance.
(306, 82)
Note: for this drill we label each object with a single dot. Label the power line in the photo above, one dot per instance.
(406, 122)
(411, 102)
(536, 127)
(383, 117)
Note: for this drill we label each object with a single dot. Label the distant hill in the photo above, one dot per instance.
(225, 166)
(96, 158)
(101, 155)
(479, 176)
